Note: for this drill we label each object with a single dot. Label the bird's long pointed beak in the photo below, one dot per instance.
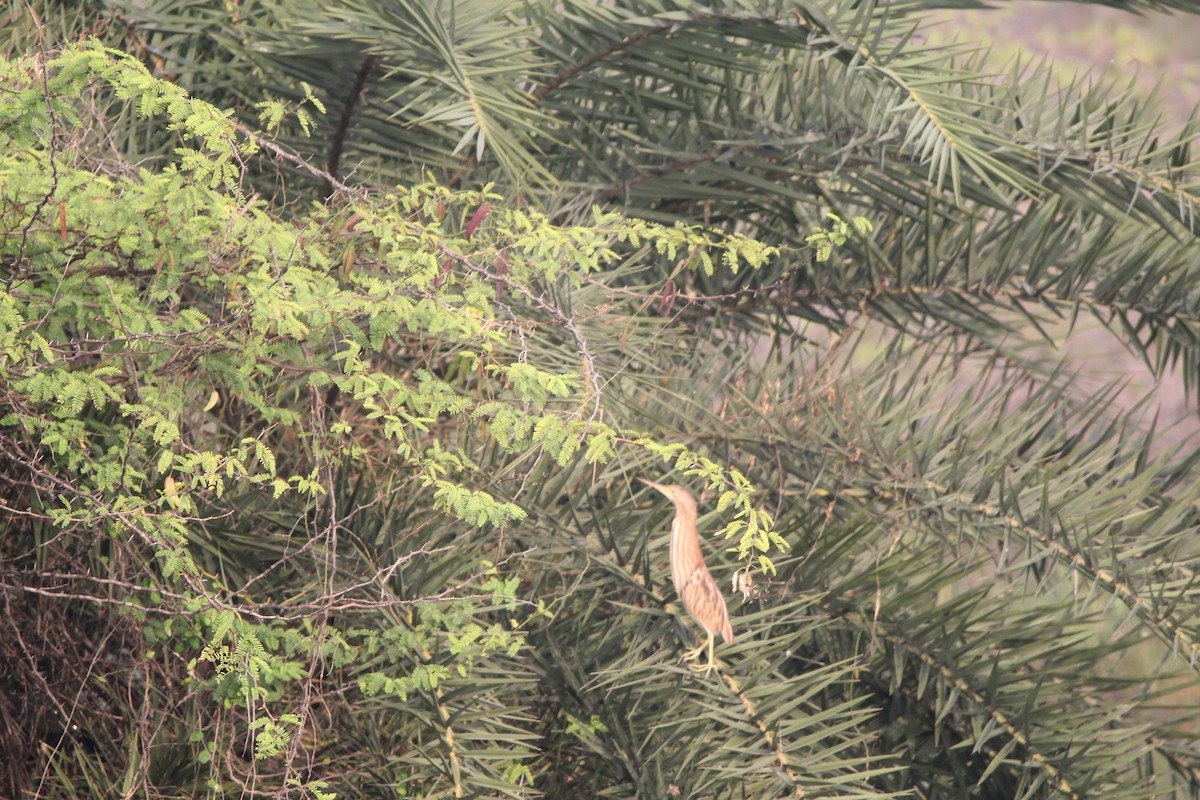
(658, 486)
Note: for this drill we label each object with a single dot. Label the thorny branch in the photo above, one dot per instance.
(589, 361)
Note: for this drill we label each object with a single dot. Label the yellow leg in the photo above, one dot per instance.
(692, 655)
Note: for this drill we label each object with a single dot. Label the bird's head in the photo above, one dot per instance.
(677, 493)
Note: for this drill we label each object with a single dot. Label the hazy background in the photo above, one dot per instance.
(1152, 53)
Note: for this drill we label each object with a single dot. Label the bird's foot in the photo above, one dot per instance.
(694, 653)
(694, 657)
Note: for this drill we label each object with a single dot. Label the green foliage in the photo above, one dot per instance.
(184, 368)
(369, 451)
(839, 233)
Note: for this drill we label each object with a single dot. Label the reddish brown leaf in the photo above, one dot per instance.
(478, 217)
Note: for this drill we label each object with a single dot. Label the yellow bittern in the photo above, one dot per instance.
(693, 582)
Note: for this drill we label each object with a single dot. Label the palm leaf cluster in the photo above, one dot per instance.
(990, 589)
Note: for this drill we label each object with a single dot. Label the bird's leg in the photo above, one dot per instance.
(692, 655)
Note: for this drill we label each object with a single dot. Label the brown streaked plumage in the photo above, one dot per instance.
(693, 582)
